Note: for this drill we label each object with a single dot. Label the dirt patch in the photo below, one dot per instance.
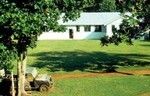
(82, 75)
(145, 94)
(140, 72)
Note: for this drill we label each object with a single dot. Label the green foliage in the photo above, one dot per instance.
(102, 6)
(6, 58)
(27, 19)
(22, 21)
(135, 22)
(107, 6)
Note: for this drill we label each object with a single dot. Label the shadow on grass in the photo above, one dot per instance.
(84, 61)
(145, 45)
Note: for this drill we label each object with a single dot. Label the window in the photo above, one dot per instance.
(78, 28)
(98, 28)
(87, 28)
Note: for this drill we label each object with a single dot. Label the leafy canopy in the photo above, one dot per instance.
(136, 21)
(6, 58)
(22, 21)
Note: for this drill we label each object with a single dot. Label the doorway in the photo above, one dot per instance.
(70, 33)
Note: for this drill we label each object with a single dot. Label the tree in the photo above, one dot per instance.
(6, 58)
(22, 21)
(102, 6)
(107, 6)
(135, 22)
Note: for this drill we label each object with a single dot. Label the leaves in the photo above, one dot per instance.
(6, 58)
(135, 22)
(22, 21)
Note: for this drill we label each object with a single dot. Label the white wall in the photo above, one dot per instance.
(106, 31)
(89, 35)
(109, 27)
(53, 35)
(65, 35)
(76, 35)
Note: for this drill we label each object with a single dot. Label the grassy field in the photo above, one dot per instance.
(101, 86)
(87, 56)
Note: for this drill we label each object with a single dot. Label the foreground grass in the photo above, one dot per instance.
(101, 86)
(88, 55)
(65, 57)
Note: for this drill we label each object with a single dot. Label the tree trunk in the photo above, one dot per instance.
(23, 69)
(19, 77)
(21, 73)
(13, 88)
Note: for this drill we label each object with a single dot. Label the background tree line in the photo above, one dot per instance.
(103, 6)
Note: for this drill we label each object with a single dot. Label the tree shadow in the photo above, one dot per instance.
(86, 61)
(145, 45)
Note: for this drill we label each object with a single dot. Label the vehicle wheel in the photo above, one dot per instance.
(27, 87)
(43, 88)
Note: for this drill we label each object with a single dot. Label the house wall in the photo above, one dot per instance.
(109, 27)
(53, 35)
(89, 35)
(76, 35)
(106, 31)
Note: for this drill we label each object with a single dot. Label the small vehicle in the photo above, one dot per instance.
(33, 81)
(41, 82)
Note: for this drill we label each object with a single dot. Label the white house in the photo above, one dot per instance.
(91, 25)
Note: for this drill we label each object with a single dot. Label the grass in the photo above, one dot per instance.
(101, 86)
(85, 56)
(88, 55)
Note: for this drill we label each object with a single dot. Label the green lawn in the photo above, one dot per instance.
(101, 86)
(88, 55)
(85, 56)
